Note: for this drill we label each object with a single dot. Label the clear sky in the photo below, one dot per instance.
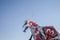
(13, 13)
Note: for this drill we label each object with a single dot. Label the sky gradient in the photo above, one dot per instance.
(13, 13)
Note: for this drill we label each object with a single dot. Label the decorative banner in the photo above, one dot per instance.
(49, 32)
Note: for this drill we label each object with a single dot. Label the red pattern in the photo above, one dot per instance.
(33, 24)
(38, 37)
(49, 33)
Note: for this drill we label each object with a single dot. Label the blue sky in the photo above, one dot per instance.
(13, 13)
